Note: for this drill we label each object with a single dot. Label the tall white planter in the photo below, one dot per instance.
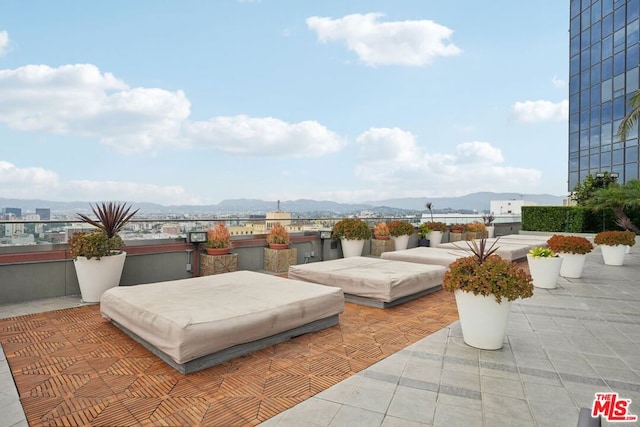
(483, 320)
(572, 265)
(544, 271)
(351, 248)
(400, 242)
(95, 276)
(435, 238)
(613, 255)
(491, 231)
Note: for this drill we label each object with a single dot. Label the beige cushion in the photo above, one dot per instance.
(426, 255)
(374, 278)
(190, 318)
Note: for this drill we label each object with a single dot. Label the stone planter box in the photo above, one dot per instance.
(279, 260)
(380, 246)
(217, 264)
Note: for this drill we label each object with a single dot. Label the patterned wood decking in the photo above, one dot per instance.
(72, 367)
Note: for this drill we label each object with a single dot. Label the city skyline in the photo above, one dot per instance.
(198, 102)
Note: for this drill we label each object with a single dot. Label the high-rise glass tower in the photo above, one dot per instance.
(603, 74)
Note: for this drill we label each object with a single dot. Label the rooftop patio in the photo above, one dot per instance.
(402, 366)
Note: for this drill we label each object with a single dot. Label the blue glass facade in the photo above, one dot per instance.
(604, 71)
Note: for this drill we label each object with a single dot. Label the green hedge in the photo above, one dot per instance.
(568, 219)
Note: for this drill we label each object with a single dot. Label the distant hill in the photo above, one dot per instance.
(474, 201)
(470, 202)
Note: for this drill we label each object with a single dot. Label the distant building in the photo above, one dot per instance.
(508, 207)
(45, 213)
(604, 72)
(284, 218)
(15, 211)
(11, 230)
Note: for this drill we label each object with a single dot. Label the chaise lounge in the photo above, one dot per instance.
(374, 282)
(192, 324)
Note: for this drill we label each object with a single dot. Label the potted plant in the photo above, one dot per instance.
(484, 286)
(98, 256)
(423, 234)
(437, 230)
(400, 232)
(456, 231)
(381, 231)
(475, 230)
(544, 266)
(573, 250)
(278, 237)
(614, 245)
(352, 233)
(218, 240)
(488, 223)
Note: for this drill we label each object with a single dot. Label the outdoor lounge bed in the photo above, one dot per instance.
(507, 251)
(426, 255)
(196, 323)
(372, 281)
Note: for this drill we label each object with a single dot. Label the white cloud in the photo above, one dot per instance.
(4, 42)
(392, 159)
(558, 83)
(266, 136)
(39, 183)
(411, 42)
(541, 111)
(81, 100)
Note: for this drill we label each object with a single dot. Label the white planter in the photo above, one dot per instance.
(352, 248)
(628, 250)
(435, 238)
(613, 255)
(400, 242)
(491, 231)
(544, 271)
(483, 320)
(97, 275)
(572, 265)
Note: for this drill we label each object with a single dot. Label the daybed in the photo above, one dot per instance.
(192, 324)
(426, 255)
(507, 251)
(372, 281)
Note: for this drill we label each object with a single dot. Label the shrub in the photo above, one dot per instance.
(485, 273)
(401, 228)
(477, 227)
(540, 252)
(615, 238)
(436, 226)
(351, 229)
(95, 244)
(423, 230)
(569, 244)
(278, 235)
(381, 229)
(218, 237)
(457, 228)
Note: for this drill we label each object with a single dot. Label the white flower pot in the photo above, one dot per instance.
(351, 248)
(544, 271)
(483, 320)
(95, 276)
(435, 238)
(491, 231)
(400, 242)
(572, 265)
(613, 255)
(628, 250)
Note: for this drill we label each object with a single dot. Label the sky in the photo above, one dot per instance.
(195, 102)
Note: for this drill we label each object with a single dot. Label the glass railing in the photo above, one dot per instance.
(57, 231)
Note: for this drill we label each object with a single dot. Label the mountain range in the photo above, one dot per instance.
(470, 202)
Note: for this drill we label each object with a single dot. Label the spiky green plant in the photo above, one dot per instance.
(112, 217)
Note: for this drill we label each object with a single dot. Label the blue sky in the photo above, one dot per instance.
(194, 102)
